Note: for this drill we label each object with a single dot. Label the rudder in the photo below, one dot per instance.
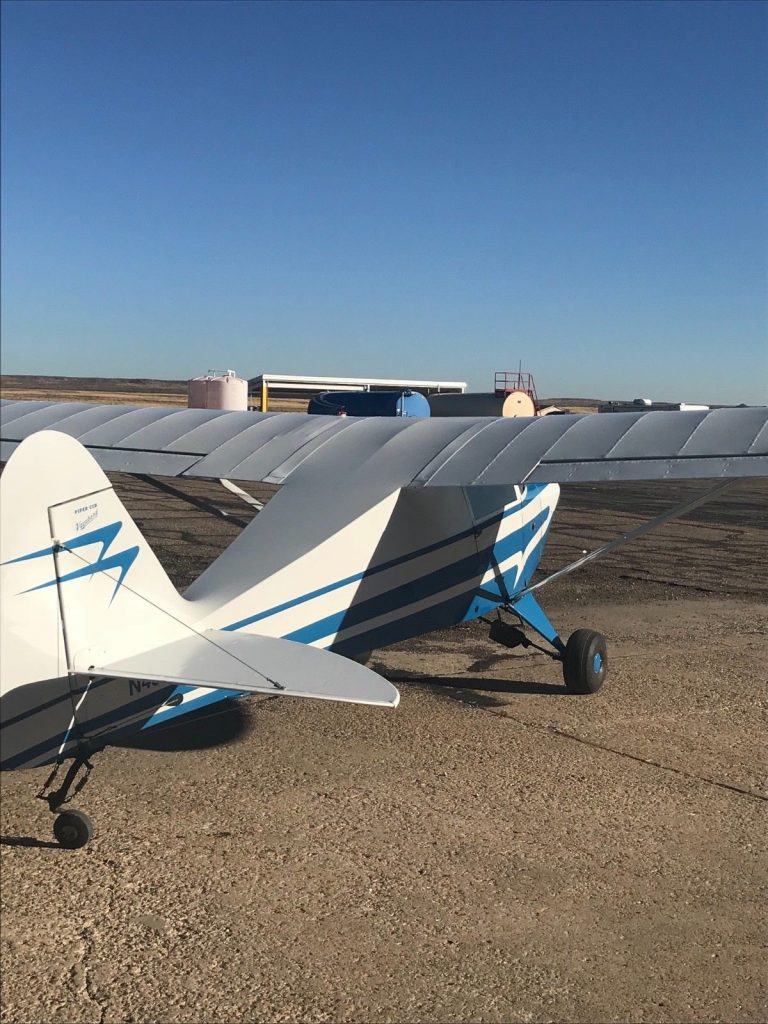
(79, 584)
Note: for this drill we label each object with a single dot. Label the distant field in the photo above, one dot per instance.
(151, 391)
(111, 390)
(125, 385)
(120, 391)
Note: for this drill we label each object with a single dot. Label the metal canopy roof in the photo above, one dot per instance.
(292, 382)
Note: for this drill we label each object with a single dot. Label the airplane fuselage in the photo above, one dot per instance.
(419, 560)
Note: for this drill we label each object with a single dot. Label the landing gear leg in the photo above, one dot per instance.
(584, 658)
(71, 828)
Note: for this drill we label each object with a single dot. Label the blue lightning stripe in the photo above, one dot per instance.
(123, 561)
(26, 558)
(104, 535)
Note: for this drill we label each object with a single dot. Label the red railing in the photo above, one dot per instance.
(506, 381)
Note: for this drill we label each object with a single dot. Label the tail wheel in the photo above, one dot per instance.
(585, 661)
(73, 829)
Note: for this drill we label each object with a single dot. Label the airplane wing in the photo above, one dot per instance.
(471, 451)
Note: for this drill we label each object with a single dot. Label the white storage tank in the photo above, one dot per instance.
(218, 389)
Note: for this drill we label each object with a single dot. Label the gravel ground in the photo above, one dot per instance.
(493, 850)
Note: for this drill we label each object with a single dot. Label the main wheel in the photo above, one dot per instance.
(73, 829)
(585, 661)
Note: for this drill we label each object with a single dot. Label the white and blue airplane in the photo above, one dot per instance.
(383, 529)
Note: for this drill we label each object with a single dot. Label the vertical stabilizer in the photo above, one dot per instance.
(76, 572)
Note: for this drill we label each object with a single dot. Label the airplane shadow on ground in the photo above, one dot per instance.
(209, 727)
(229, 721)
(46, 844)
(471, 690)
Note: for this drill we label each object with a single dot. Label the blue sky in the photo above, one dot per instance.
(431, 190)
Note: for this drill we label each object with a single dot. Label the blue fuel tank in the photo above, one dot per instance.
(370, 403)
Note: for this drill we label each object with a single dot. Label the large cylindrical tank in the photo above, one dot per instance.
(513, 403)
(217, 389)
(370, 403)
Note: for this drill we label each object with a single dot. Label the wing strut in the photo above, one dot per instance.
(625, 538)
(247, 498)
(201, 503)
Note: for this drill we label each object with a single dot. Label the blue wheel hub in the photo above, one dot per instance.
(597, 663)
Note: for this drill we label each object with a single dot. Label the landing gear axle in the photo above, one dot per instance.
(71, 828)
(584, 658)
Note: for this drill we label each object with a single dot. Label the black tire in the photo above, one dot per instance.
(585, 662)
(73, 829)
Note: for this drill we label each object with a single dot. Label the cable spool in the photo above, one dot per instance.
(518, 403)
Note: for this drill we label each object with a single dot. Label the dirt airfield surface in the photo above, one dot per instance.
(492, 850)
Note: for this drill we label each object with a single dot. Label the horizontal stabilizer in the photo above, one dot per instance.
(248, 663)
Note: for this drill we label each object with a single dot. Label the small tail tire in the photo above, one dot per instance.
(73, 829)
(585, 661)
